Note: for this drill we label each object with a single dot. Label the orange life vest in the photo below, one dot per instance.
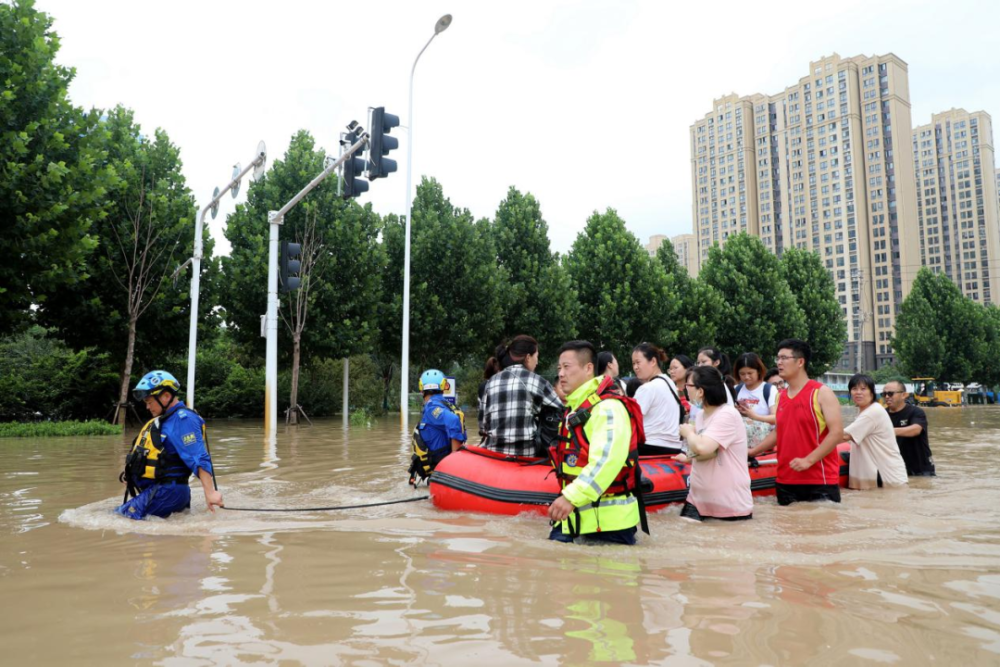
(571, 453)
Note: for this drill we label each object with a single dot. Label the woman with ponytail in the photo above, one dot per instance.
(519, 411)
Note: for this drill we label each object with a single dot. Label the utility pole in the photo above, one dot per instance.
(275, 219)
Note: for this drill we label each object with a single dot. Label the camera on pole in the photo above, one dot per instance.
(379, 166)
(289, 266)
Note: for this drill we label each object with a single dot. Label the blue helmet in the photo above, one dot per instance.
(155, 383)
(432, 380)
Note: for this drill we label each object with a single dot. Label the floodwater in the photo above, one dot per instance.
(888, 577)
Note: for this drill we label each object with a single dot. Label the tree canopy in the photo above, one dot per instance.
(939, 332)
(624, 295)
(815, 293)
(539, 301)
(53, 172)
(760, 309)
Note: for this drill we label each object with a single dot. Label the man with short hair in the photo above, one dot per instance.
(168, 450)
(910, 424)
(809, 428)
(596, 455)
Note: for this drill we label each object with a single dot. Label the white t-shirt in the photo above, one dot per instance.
(874, 450)
(661, 412)
(755, 398)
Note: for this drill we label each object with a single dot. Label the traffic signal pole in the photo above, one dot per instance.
(275, 219)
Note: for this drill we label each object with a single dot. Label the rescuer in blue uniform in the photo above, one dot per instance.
(442, 425)
(168, 450)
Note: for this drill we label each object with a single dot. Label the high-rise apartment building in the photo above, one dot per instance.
(824, 165)
(957, 202)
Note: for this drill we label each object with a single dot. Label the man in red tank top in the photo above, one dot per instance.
(809, 428)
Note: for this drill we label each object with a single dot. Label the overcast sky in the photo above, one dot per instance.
(586, 105)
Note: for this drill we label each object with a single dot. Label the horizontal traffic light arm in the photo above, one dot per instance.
(355, 147)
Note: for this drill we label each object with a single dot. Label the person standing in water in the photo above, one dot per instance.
(596, 457)
(168, 450)
(910, 424)
(809, 428)
(875, 458)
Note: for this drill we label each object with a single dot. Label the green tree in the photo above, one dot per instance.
(816, 295)
(624, 294)
(939, 332)
(988, 371)
(760, 309)
(456, 289)
(699, 305)
(540, 301)
(53, 175)
(146, 234)
(333, 314)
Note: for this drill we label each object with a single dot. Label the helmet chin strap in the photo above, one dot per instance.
(163, 408)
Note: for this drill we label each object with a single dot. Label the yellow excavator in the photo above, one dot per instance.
(927, 395)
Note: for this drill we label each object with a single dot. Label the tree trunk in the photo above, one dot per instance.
(293, 407)
(386, 386)
(120, 412)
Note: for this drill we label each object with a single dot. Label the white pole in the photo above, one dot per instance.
(404, 365)
(271, 365)
(275, 219)
(195, 286)
(199, 223)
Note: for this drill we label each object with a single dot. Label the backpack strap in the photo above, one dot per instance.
(673, 392)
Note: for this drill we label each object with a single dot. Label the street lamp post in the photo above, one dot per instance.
(257, 165)
(404, 370)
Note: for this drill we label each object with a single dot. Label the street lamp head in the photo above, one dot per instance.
(442, 24)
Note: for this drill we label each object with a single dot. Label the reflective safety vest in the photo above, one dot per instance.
(570, 455)
(150, 459)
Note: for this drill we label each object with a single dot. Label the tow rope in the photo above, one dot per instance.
(323, 509)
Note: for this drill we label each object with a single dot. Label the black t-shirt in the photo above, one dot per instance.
(915, 450)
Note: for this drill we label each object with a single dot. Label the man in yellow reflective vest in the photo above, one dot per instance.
(595, 457)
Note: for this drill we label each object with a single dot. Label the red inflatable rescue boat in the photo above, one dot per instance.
(474, 479)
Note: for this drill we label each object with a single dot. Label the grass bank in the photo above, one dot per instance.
(57, 429)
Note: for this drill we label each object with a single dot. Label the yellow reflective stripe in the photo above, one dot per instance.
(820, 419)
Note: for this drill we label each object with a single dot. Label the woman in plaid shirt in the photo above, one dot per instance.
(519, 413)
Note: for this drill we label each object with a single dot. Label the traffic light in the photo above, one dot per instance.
(381, 143)
(291, 264)
(354, 186)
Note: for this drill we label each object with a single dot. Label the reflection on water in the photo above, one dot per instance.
(890, 577)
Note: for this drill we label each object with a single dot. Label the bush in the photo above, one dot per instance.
(57, 429)
(41, 377)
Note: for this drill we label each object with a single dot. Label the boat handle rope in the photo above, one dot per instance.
(323, 509)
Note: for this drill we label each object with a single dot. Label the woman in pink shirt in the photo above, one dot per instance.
(720, 480)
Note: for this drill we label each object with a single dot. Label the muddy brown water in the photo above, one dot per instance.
(888, 577)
